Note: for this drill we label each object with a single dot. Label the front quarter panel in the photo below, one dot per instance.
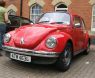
(11, 42)
(62, 39)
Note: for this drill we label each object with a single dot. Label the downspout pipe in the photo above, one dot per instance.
(21, 4)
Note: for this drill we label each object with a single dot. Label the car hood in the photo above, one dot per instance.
(31, 36)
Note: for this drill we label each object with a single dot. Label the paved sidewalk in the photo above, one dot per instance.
(83, 66)
(92, 47)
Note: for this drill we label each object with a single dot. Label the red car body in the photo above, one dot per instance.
(31, 41)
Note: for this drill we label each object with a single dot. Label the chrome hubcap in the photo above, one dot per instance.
(67, 57)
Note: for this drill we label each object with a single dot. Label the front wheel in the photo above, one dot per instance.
(65, 58)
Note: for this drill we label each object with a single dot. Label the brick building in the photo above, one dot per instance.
(34, 8)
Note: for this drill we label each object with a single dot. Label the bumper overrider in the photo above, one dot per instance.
(52, 56)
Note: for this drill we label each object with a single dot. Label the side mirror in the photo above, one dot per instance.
(77, 25)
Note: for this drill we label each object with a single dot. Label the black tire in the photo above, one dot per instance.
(64, 61)
(86, 52)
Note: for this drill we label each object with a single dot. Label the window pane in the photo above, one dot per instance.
(93, 25)
(94, 12)
(61, 7)
(93, 21)
(77, 21)
(33, 11)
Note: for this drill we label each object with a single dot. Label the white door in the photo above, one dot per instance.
(93, 19)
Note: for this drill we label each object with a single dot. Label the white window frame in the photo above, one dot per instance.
(60, 9)
(31, 12)
(93, 15)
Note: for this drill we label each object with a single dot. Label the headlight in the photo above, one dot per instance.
(51, 42)
(7, 37)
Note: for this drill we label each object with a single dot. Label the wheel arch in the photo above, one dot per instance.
(71, 42)
(87, 39)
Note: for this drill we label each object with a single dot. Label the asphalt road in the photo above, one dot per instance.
(82, 67)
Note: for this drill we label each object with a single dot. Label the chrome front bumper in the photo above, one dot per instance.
(30, 52)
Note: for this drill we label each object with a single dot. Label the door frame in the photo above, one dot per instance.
(92, 29)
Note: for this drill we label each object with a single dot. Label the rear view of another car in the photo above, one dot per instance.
(17, 21)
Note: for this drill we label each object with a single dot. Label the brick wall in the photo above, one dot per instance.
(25, 9)
(48, 6)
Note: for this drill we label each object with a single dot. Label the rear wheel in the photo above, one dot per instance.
(86, 52)
(65, 58)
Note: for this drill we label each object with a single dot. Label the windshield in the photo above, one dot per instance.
(59, 18)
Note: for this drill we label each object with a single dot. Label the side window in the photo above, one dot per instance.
(77, 22)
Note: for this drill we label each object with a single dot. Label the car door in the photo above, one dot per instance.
(78, 33)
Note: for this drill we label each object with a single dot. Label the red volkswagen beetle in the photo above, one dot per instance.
(55, 38)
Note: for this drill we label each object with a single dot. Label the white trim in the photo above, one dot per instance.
(92, 2)
(67, 2)
(92, 29)
(40, 2)
(13, 7)
(61, 9)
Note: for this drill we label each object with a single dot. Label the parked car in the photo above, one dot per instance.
(17, 21)
(54, 39)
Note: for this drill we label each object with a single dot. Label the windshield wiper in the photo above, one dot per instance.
(60, 22)
(43, 22)
(51, 22)
(56, 22)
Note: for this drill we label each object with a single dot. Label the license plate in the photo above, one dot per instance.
(19, 57)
